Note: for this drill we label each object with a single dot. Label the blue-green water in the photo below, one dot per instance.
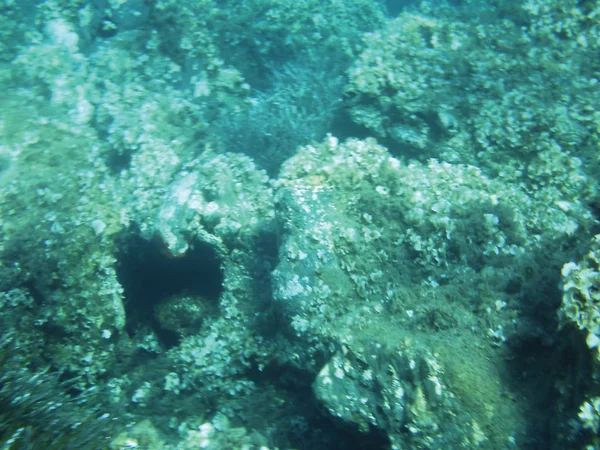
(267, 224)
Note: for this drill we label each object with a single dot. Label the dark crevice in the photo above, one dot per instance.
(148, 276)
(537, 369)
(118, 161)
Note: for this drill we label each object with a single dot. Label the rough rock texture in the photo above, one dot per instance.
(159, 290)
(390, 344)
(579, 317)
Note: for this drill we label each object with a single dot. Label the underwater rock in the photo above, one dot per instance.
(182, 314)
(391, 349)
(579, 317)
(217, 199)
(400, 390)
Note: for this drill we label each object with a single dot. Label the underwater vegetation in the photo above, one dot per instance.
(299, 107)
(39, 412)
(267, 224)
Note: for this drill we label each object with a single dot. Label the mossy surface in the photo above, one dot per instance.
(299, 225)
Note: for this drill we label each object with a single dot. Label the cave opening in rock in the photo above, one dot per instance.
(149, 275)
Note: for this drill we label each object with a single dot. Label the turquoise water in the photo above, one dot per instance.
(299, 225)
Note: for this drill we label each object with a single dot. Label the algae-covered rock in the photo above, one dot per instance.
(57, 232)
(579, 316)
(448, 82)
(436, 220)
(217, 199)
(159, 290)
(183, 314)
(206, 232)
(389, 333)
(408, 392)
(254, 34)
(581, 300)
